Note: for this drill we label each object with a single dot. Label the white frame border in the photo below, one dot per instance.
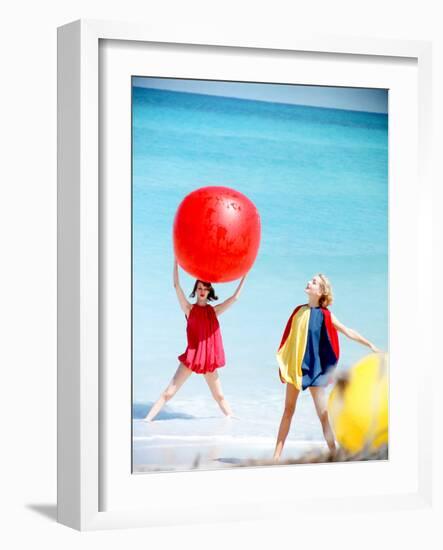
(78, 255)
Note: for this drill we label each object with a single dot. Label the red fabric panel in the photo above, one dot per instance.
(332, 332)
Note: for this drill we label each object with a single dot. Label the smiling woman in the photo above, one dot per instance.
(204, 289)
(308, 353)
(204, 353)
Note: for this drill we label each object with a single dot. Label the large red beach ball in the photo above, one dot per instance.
(216, 234)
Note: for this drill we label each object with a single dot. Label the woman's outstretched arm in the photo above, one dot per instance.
(353, 334)
(228, 303)
(184, 304)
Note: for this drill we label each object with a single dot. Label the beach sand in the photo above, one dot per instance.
(206, 444)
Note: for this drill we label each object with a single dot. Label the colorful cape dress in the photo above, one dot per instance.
(309, 348)
(204, 352)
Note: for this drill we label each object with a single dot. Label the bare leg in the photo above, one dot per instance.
(319, 396)
(290, 402)
(179, 378)
(214, 384)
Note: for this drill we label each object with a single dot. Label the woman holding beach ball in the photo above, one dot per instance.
(308, 353)
(216, 236)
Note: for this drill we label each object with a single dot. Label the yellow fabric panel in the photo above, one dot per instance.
(290, 355)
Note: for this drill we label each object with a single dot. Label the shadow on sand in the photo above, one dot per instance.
(140, 410)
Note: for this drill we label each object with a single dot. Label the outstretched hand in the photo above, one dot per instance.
(240, 286)
(244, 277)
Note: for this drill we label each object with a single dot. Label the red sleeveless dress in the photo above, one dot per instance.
(204, 352)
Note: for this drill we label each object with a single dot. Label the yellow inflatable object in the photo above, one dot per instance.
(358, 405)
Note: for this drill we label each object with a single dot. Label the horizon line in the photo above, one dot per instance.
(259, 100)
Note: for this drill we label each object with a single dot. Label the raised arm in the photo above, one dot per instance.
(184, 304)
(221, 308)
(353, 334)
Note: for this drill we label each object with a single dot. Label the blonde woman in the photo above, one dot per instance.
(308, 352)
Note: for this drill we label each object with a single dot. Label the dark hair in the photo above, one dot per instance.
(211, 295)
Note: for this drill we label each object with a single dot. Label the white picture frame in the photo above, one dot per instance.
(83, 438)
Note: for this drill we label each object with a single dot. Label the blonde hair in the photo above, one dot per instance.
(327, 297)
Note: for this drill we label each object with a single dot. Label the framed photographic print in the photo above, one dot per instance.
(239, 225)
(310, 171)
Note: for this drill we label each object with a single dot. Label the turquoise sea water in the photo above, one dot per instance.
(319, 178)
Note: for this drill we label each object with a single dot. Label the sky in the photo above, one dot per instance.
(354, 99)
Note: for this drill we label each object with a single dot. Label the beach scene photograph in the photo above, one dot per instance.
(260, 326)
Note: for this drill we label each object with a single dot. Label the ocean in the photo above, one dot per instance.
(319, 178)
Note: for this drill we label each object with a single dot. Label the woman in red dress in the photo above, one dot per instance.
(204, 353)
